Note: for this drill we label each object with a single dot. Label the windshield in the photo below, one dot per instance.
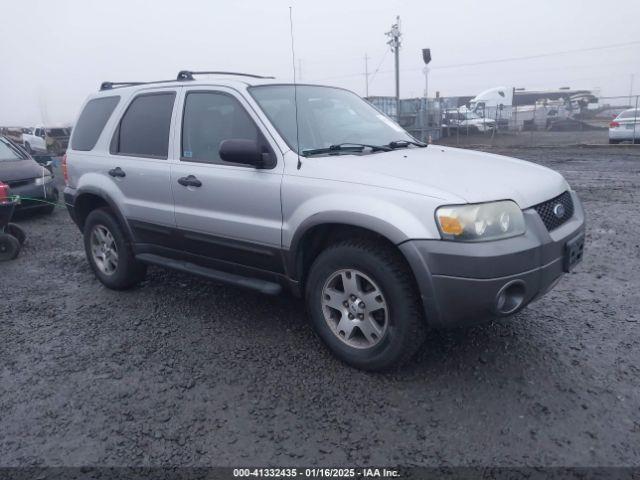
(8, 152)
(326, 116)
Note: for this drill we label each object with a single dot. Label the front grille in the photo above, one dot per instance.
(547, 211)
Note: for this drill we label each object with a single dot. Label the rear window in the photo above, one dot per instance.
(629, 114)
(144, 128)
(57, 132)
(91, 122)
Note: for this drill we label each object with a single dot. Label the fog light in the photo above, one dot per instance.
(510, 297)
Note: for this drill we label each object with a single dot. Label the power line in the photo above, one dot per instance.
(541, 55)
(504, 60)
(373, 75)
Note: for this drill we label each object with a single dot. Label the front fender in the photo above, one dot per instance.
(398, 219)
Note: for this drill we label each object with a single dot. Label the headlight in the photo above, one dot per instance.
(480, 222)
(42, 180)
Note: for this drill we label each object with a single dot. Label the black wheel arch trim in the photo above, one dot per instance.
(363, 221)
(113, 206)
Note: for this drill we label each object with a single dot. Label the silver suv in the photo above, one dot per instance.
(310, 189)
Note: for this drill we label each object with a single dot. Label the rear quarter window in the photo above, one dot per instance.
(91, 122)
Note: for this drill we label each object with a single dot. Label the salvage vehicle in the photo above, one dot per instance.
(466, 122)
(306, 188)
(31, 184)
(625, 127)
(43, 140)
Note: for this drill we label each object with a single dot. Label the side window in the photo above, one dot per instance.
(144, 127)
(209, 118)
(92, 120)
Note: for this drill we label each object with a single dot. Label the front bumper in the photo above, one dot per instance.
(461, 283)
(35, 196)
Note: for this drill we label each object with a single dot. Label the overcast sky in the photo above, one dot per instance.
(54, 53)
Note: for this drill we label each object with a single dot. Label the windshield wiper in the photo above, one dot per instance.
(405, 144)
(346, 147)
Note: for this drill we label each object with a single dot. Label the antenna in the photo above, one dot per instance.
(295, 87)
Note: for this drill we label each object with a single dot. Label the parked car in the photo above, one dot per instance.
(466, 122)
(308, 188)
(32, 183)
(625, 127)
(42, 140)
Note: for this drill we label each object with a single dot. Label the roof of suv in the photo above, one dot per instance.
(187, 77)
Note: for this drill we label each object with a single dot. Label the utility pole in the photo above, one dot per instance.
(394, 42)
(631, 88)
(366, 75)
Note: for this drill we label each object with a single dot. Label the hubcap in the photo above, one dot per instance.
(104, 250)
(354, 308)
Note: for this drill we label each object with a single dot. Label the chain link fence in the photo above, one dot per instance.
(602, 120)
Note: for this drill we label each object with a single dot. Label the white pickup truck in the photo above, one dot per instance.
(52, 140)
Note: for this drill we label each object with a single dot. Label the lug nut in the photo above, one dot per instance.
(345, 303)
(351, 316)
(361, 304)
(361, 317)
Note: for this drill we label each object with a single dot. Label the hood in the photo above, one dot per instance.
(451, 174)
(14, 170)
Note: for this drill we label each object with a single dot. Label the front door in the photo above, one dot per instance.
(227, 212)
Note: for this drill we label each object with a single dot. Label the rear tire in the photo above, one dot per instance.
(9, 247)
(109, 252)
(384, 292)
(613, 142)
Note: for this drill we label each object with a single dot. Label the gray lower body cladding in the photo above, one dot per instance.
(467, 283)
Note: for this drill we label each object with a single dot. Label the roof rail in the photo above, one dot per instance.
(110, 85)
(188, 75)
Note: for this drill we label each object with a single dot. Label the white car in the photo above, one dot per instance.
(625, 127)
(467, 122)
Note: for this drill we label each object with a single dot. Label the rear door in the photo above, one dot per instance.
(139, 164)
(234, 216)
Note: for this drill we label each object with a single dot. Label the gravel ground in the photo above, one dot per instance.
(185, 372)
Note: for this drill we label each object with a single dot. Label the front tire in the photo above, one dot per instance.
(17, 232)
(109, 252)
(364, 304)
(613, 142)
(9, 247)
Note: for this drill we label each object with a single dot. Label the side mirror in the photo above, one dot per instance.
(240, 150)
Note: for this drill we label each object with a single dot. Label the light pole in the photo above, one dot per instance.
(426, 57)
(394, 42)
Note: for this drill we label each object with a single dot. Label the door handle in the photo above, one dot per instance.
(117, 172)
(189, 181)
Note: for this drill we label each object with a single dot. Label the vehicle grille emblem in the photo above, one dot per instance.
(558, 210)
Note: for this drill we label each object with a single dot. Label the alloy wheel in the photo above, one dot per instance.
(104, 250)
(355, 308)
